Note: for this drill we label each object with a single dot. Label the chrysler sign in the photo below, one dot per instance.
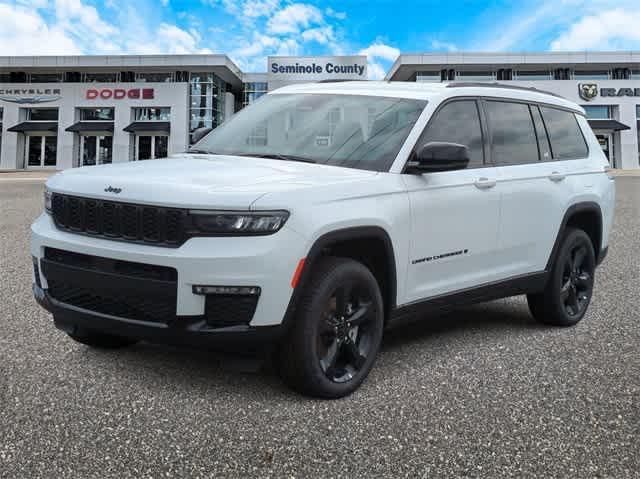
(120, 94)
(588, 91)
(29, 95)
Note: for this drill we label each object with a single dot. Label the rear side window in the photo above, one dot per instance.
(457, 122)
(513, 138)
(566, 138)
(541, 132)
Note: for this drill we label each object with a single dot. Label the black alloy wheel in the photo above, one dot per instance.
(577, 281)
(345, 333)
(335, 334)
(569, 289)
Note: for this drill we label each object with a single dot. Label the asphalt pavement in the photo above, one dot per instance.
(481, 392)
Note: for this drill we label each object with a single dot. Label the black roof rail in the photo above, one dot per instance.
(500, 85)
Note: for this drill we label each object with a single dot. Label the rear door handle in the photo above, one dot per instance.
(484, 183)
(555, 176)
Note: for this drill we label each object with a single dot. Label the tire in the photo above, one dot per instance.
(327, 354)
(102, 341)
(568, 291)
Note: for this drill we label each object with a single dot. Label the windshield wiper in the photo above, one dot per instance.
(277, 156)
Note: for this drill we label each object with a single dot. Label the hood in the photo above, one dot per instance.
(199, 181)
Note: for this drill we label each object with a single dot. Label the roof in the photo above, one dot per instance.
(221, 64)
(430, 91)
(408, 63)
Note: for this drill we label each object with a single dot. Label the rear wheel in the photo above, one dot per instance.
(336, 332)
(102, 341)
(568, 293)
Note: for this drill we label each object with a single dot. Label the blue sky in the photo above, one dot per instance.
(250, 30)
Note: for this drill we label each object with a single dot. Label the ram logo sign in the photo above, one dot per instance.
(588, 91)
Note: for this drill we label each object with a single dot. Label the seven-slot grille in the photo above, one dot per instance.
(123, 221)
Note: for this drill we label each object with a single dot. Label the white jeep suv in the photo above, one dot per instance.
(322, 214)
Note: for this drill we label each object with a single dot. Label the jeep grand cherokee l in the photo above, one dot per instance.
(322, 214)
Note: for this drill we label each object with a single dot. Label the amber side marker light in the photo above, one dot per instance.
(297, 273)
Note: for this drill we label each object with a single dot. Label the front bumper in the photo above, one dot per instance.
(184, 331)
(267, 262)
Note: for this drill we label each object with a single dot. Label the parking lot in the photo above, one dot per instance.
(481, 392)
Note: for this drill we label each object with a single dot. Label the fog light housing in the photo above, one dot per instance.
(36, 272)
(227, 290)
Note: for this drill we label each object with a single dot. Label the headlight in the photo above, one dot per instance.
(47, 200)
(238, 222)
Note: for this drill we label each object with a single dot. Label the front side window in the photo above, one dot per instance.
(513, 138)
(354, 131)
(567, 141)
(457, 122)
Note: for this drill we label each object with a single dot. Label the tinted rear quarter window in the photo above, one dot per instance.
(567, 141)
(457, 122)
(513, 138)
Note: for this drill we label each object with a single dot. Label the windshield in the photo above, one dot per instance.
(353, 131)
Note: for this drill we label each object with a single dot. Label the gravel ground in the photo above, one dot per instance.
(482, 392)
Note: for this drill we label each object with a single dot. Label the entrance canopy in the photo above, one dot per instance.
(612, 125)
(91, 126)
(27, 126)
(138, 126)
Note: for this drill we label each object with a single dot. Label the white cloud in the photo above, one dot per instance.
(380, 50)
(443, 46)
(259, 8)
(375, 52)
(611, 29)
(332, 13)
(24, 32)
(322, 35)
(293, 17)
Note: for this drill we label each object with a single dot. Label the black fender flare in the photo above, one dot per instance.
(585, 206)
(336, 236)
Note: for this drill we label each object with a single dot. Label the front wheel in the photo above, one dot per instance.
(336, 332)
(567, 294)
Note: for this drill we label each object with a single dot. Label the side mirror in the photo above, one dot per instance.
(439, 156)
(200, 133)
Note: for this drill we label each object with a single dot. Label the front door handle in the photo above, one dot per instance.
(484, 183)
(556, 176)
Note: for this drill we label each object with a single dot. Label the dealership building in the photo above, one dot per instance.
(70, 111)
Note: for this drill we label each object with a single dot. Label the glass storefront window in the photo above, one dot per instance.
(533, 75)
(96, 114)
(42, 114)
(152, 114)
(155, 77)
(206, 101)
(598, 112)
(100, 77)
(591, 74)
(46, 77)
(637, 112)
(475, 76)
(428, 77)
(41, 150)
(252, 91)
(150, 147)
